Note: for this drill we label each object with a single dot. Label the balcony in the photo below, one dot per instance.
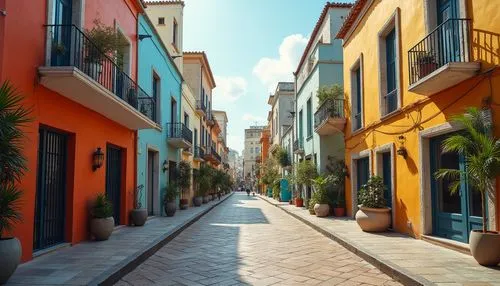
(442, 59)
(77, 70)
(179, 135)
(212, 156)
(201, 108)
(210, 119)
(298, 146)
(330, 119)
(199, 153)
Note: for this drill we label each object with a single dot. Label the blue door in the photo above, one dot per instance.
(61, 33)
(454, 215)
(386, 177)
(363, 171)
(449, 31)
(285, 194)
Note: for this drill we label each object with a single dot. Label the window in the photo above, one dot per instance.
(174, 33)
(357, 95)
(186, 119)
(251, 150)
(161, 21)
(390, 100)
(309, 118)
(156, 93)
(301, 134)
(257, 150)
(173, 108)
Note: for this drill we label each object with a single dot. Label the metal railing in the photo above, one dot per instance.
(212, 152)
(298, 144)
(199, 152)
(69, 46)
(390, 101)
(448, 42)
(179, 130)
(200, 105)
(330, 108)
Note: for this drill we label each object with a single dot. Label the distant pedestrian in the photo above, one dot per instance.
(219, 195)
(248, 192)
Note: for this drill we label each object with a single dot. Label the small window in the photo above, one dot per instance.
(161, 21)
(309, 118)
(186, 119)
(174, 33)
(357, 95)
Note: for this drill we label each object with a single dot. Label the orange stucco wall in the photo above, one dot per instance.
(418, 112)
(25, 46)
(264, 142)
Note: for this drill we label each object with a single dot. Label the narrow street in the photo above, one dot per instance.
(246, 241)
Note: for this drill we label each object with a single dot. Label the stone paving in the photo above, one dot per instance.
(428, 263)
(246, 241)
(91, 262)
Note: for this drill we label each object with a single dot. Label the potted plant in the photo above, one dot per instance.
(13, 116)
(481, 151)
(339, 207)
(373, 214)
(426, 62)
(139, 214)
(171, 193)
(306, 171)
(338, 173)
(184, 183)
(281, 156)
(204, 182)
(102, 222)
(321, 206)
(312, 203)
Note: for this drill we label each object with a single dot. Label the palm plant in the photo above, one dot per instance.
(13, 116)
(481, 151)
(184, 177)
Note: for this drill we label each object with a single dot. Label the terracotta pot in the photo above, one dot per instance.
(197, 201)
(373, 220)
(139, 216)
(101, 228)
(170, 208)
(10, 256)
(485, 247)
(321, 210)
(339, 212)
(183, 204)
(299, 202)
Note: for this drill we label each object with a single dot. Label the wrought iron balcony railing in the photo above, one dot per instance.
(298, 145)
(331, 108)
(70, 46)
(448, 42)
(199, 152)
(179, 130)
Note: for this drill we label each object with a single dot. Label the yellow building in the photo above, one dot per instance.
(409, 66)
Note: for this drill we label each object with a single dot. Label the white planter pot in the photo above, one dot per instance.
(321, 210)
(10, 256)
(373, 220)
(485, 247)
(101, 228)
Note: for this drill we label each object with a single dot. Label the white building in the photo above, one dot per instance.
(251, 152)
(282, 106)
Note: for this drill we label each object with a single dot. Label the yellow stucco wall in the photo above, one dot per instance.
(418, 112)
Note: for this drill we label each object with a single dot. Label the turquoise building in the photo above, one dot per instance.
(156, 155)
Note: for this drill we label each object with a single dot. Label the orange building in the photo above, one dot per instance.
(265, 139)
(409, 67)
(82, 103)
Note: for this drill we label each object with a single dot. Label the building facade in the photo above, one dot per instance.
(80, 109)
(282, 108)
(159, 147)
(409, 67)
(320, 66)
(251, 153)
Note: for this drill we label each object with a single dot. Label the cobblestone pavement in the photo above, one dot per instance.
(246, 241)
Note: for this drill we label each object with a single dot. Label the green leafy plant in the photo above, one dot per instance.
(106, 41)
(204, 180)
(329, 92)
(282, 157)
(371, 195)
(171, 193)
(102, 207)
(13, 116)
(184, 177)
(311, 203)
(305, 172)
(481, 151)
(321, 184)
(338, 172)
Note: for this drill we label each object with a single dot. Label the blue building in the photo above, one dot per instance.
(158, 150)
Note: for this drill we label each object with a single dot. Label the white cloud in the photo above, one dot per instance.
(229, 88)
(272, 70)
(252, 118)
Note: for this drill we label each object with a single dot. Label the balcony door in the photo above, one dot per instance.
(449, 42)
(61, 32)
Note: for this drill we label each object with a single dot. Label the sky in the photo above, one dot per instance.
(251, 45)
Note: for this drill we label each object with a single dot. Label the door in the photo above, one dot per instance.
(387, 177)
(151, 182)
(363, 172)
(61, 33)
(285, 194)
(454, 215)
(449, 43)
(114, 179)
(50, 204)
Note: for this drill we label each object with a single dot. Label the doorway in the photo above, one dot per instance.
(50, 203)
(114, 179)
(454, 214)
(152, 181)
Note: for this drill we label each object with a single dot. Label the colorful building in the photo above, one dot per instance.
(83, 104)
(265, 143)
(409, 66)
(159, 148)
(318, 129)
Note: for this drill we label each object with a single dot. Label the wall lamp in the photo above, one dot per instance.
(401, 149)
(165, 166)
(142, 37)
(98, 159)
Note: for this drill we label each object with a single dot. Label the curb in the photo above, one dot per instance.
(387, 267)
(126, 266)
